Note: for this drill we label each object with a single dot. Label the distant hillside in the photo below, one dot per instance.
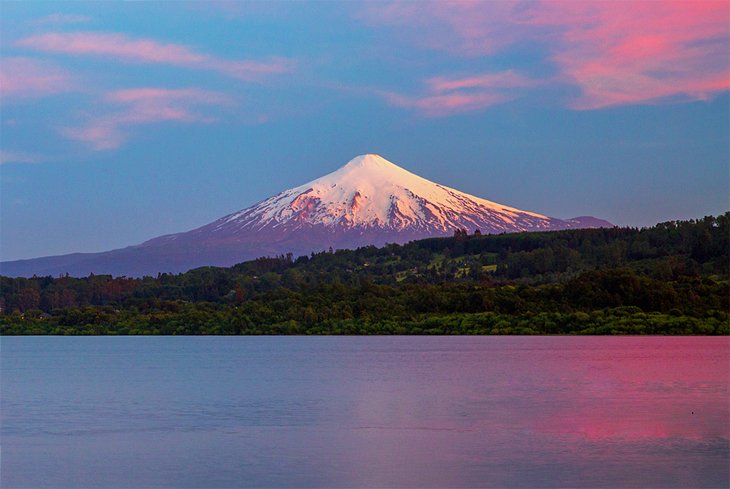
(668, 279)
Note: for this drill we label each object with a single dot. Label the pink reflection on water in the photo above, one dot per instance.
(676, 391)
(574, 409)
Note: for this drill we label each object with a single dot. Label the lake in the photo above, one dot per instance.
(365, 412)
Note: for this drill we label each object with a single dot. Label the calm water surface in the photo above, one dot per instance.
(359, 411)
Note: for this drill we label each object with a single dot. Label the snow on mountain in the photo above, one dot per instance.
(368, 201)
(370, 191)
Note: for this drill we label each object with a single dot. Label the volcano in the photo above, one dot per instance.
(368, 201)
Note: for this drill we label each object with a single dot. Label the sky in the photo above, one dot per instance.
(122, 121)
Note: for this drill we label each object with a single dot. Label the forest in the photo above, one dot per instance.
(671, 278)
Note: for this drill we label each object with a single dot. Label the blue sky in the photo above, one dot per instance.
(121, 121)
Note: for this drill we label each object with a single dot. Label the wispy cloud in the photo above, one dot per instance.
(470, 28)
(445, 96)
(153, 96)
(144, 50)
(616, 53)
(140, 106)
(236, 9)
(56, 19)
(22, 77)
(20, 157)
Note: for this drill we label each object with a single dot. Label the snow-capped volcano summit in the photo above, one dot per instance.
(370, 192)
(368, 201)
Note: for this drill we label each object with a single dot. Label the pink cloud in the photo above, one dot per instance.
(443, 105)
(616, 53)
(99, 134)
(141, 106)
(151, 51)
(447, 96)
(29, 78)
(621, 53)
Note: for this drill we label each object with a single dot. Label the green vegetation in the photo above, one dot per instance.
(668, 279)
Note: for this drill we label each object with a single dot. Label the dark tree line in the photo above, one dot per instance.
(670, 278)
